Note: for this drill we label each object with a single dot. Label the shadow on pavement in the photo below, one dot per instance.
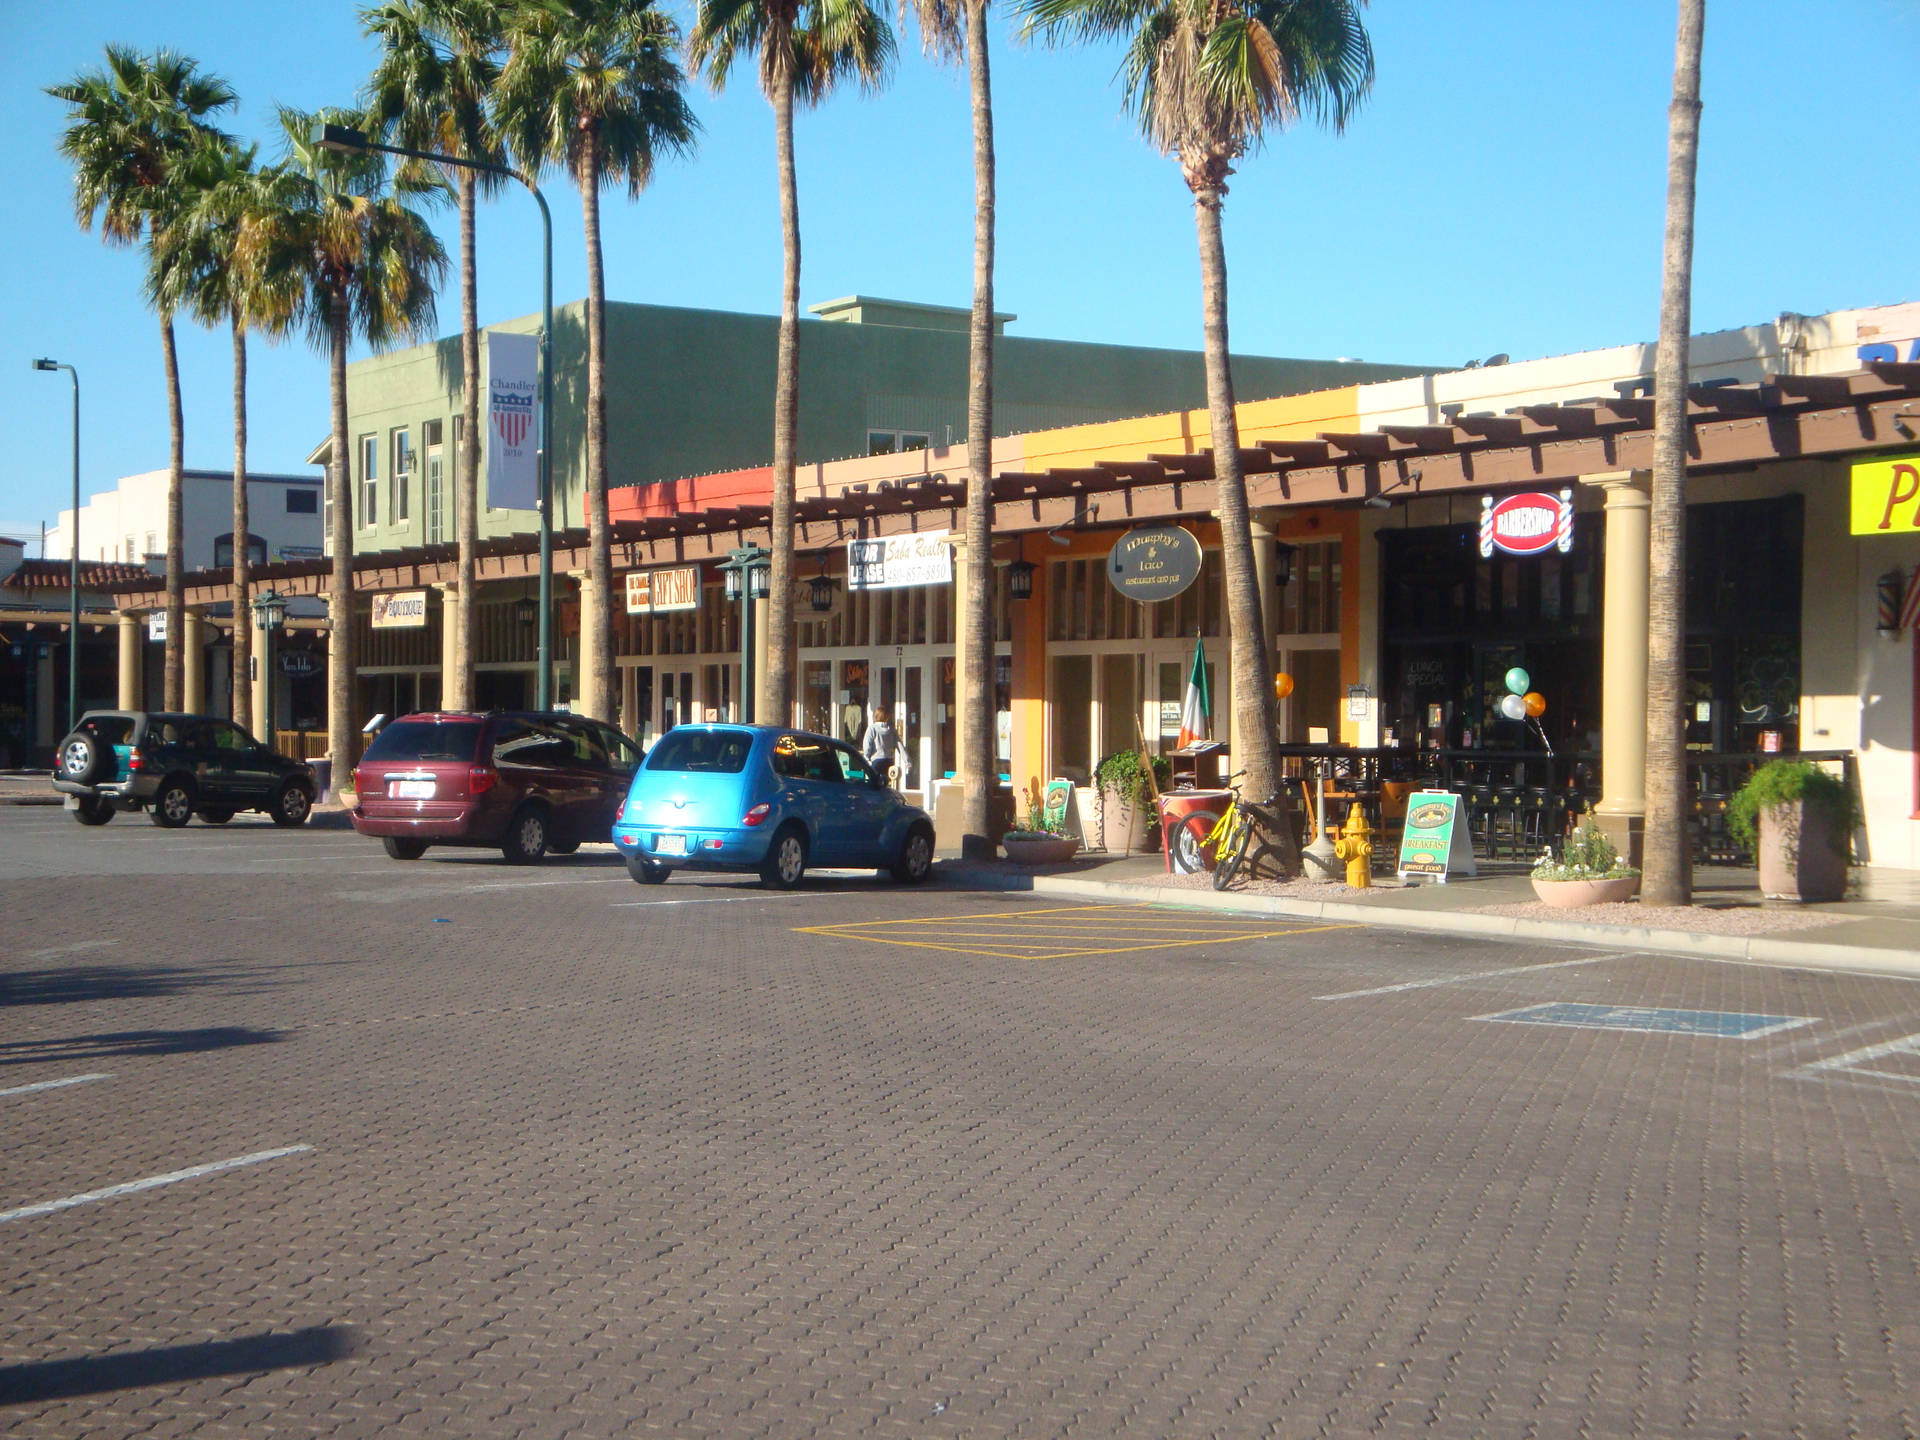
(65, 1379)
(70, 984)
(135, 1042)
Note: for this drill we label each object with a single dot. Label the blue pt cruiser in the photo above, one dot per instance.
(758, 797)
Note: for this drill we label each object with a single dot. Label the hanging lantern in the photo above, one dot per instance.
(1020, 580)
(820, 592)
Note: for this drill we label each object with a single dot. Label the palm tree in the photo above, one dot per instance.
(1665, 878)
(594, 86)
(431, 91)
(200, 264)
(1207, 79)
(950, 31)
(128, 127)
(368, 265)
(805, 47)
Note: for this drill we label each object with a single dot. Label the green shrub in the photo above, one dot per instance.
(1781, 782)
(1125, 773)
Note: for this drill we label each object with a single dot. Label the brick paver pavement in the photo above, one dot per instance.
(593, 1159)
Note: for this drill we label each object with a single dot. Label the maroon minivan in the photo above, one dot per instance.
(530, 783)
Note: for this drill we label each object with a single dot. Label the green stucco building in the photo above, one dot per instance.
(691, 392)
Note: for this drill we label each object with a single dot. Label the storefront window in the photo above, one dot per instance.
(1071, 709)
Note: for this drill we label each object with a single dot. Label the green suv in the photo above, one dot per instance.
(175, 767)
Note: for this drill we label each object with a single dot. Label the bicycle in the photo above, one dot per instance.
(1221, 844)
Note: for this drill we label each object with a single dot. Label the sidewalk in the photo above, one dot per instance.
(27, 787)
(1876, 929)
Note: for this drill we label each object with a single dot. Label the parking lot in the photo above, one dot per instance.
(296, 1138)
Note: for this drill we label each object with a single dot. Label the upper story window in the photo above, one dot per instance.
(369, 480)
(1310, 600)
(401, 478)
(302, 502)
(896, 442)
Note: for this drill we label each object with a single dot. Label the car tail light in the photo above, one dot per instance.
(136, 761)
(480, 779)
(625, 801)
(757, 814)
(359, 780)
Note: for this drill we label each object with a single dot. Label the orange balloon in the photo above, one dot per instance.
(1282, 685)
(1536, 704)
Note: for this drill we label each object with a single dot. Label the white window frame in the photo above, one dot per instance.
(369, 481)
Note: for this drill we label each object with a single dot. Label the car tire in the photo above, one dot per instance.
(786, 860)
(647, 872)
(292, 804)
(93, 811)
(398, 847)
(526, 838)
(83, 758)
(172, 803)
(563, 847)
(215, 815)
(915, 861)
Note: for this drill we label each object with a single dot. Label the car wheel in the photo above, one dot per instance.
(80, 758)
(403, 849)
(915, 862)
(172, 804)
(216, 815)
(786, 859)
(292, 805)
(563, 847)
(526, 838)
(94, 812)
(647, 872)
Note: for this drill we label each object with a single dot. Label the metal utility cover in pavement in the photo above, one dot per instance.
(1716, 1024)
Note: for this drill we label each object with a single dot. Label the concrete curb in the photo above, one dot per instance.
(29, 799)
(1754, 949)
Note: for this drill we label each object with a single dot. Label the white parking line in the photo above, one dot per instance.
(152, 1182)
(1477, 975)
(56, 1084)
(76, 948)
(723, 900)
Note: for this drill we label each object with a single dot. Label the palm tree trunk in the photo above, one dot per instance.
(174, 689)
(978, 764)
(241, 704)
(457, 688)
(1665, 876)
(341, 730)
(776, 689)
(1255, 731)
(596, 619)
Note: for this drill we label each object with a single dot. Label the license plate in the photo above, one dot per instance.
(410, 789)
(672, 845)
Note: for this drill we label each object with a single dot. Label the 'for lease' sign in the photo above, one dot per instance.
(1886, 496)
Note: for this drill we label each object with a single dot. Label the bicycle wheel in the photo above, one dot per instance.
(1233, 849)
(1192, 849)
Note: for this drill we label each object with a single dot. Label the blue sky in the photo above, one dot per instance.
(1501, 191)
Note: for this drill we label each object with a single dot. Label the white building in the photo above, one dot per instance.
(128, 523)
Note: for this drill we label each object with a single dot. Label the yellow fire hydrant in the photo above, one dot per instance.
(1355, 846)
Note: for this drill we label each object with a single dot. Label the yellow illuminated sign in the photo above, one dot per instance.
(1886, 497)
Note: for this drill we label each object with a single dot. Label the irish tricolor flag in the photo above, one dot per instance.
(1196, 715)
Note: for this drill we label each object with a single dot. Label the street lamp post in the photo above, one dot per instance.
(73, 554)
(747, 571)
(269, 610)
(345, 140)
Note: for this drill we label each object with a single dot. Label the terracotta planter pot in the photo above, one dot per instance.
(1569, 894)
(1027, 849)
(1123, 823)
(1803, 853)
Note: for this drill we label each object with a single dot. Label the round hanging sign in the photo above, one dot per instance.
(1155, 562)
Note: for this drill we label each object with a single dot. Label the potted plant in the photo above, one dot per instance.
(1587, 872)
(1032, 842)
(1798, 819)
(1122, 779)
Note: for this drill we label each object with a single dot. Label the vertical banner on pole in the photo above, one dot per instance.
(513, 421)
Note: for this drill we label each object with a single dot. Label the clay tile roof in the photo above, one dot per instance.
(94, 574)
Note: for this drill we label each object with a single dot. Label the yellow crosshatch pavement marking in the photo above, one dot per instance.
(1063, 933)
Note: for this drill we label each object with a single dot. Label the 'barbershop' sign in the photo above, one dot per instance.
(1886, 497)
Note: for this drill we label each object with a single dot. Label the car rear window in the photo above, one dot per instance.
(110, 729)
(426, 740)
(709, 752)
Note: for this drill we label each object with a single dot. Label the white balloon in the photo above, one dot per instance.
(1514, 707)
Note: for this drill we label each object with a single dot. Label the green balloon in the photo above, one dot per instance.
(1518, 681)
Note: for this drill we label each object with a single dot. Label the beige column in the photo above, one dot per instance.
(583, 649)
(1266, 558)
(193, 647)
(1622, 809)
(449, 641)
(963, 576)
(763, 643)
(132, 632)
(264, 664)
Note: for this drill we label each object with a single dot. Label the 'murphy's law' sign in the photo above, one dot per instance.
(1886, 496)
(513, 421)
